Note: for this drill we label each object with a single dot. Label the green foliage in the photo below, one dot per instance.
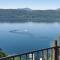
(2, 54)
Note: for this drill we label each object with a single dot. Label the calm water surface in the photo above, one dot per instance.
(21, 37)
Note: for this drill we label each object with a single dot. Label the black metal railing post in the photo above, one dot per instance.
(56, 51)
(26, 57)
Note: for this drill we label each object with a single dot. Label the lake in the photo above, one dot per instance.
(24, 37)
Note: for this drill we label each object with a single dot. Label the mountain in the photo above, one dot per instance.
(58, 9)
(29, 15)
(28, 9)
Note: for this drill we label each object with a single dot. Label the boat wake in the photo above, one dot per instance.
(22, 32)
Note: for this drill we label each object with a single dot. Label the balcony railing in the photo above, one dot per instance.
(52, 53)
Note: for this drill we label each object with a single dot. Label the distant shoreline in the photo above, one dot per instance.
(28, 15)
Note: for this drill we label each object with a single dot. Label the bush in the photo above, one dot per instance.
(2, 53)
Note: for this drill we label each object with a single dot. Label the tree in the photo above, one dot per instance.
(2, 53)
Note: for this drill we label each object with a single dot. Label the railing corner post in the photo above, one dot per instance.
(56, 51)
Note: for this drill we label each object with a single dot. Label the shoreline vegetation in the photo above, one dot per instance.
(2, 53)
(29, 15)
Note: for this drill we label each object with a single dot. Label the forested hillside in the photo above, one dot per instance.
(26, 15)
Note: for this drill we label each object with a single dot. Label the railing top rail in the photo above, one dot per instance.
(28, 52)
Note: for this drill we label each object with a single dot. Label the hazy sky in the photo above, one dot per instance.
(33, 4)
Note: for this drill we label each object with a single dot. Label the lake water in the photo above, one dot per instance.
(23, 37)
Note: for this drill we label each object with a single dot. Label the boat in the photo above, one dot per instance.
(20, 31)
